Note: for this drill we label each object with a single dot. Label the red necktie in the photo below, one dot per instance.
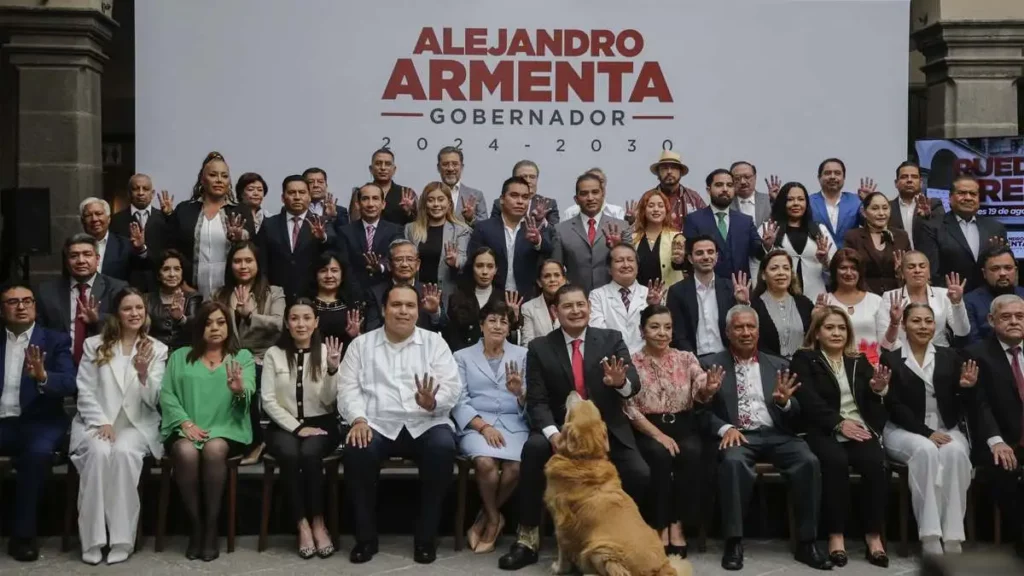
(577, 369)
(80, 325)
(295, 231)
(591, 232)
(1019, 377)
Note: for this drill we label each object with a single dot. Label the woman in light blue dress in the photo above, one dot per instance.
(491, 418)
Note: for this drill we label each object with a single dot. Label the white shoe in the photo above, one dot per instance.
(118, 553)
(93, 555)
(953, 547)
(931, 547)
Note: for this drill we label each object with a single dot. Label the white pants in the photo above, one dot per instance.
(108, 497)
(938, 477)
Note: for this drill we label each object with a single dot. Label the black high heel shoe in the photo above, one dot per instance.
(839, 558)
(194, 548)
(880, 558)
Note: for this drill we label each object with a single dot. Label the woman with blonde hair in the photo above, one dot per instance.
(440, 236)
(652, 237)
(117, 424)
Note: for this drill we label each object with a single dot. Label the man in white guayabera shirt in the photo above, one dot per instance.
(397, 386)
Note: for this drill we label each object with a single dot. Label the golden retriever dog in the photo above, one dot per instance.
(598, 526)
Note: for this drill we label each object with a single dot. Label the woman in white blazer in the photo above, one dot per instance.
(299, 391)
(491, 419)
(808, 242)
(537, 317)
(947, 304)
(440, 236)
(117, 424)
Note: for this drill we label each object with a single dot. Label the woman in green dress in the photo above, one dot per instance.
(205, 398)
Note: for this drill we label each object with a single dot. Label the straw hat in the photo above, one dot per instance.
(670, 157)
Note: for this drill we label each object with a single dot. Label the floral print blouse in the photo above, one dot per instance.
(668, 384)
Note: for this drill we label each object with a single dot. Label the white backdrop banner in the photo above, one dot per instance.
(570, 84)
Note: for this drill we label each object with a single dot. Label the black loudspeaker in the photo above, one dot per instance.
(26, 213)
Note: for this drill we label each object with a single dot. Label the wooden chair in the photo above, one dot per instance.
(332, 463)
(166, 468)
(71, 484)
(903, 504)
(767, 472)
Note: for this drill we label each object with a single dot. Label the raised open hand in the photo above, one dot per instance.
(244, 304)
(316, 226)
(924, 208)
(166, 202)
(514, 301)
(408, 201)
(541, 207)
(236, 228)
(823, 246)
(451, 254)
(431, 300)
(955, 287)
(867, 186)
(897, 262)
(426, 392)
(334, 346)
(177, 307)
(514, 379)
(998, 242)
(678, 250)
(774, 184)
(532, 231)
(741, 287)
(143, 357)
(713, 381)
(469, 208)
(969, 374)
(785, 385)
(235, 384)
(770, 233)
(136, 237)
(880, 381)
(354, 324)
(630, 216)
(655, 292)
(372, 262)
(612, 235)
(330, 207)
(35, 363)
(614, 372)
(896, 307)
(821, 301)
(88, 310)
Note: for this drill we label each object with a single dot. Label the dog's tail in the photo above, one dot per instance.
(678, 566)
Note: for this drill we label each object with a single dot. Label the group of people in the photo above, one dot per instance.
(816, 331)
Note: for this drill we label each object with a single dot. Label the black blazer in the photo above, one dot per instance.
(491, 233)
(819, 392)
(880, 265)
(896, 216)
(999, 406)
(164, 328)
(906, 398)
(463, 314)
(351, 242)
(293, 271)
(724, 406)
(157, 234)
(182, 228)
(393, 208)
(552, 218)
(768, 339)
(119, 259)
(549, 372)
(682, 303)
(946, 247)
(53, 301)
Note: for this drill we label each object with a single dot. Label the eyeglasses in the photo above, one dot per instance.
(26, 302)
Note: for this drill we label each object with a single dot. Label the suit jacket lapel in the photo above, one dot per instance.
(728, 390)
(592, 360)
(577, 226)
(557, 342)
(477, 355)
(690, 303)
(99, 289)
(767, 381)
(953, 227)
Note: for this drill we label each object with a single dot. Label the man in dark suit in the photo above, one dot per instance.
(469, 202)
(153, 227)
(910, 208)
(117, 256)
(748, 200)
(404, 265)
(363, 243)
(754, 414)
(953, 243)
(290, 242)
(999, 432)
(322, 203)
(543, 209)
(514, 230)
(80, 299)
(692, 304)
(399, 201)
(999, 270)
(594, 363)
(582, 243)
(732, 231)
(32, 418)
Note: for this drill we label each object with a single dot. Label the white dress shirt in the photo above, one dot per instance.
(946, 314)
(378, 382)
(510, 252)
(291, 223)
(747, 206)
(608, 311)
(709, 336)
(997, 439)
(750, 371)
(213, 253)
(625, 391)
(14, 361)
(141, 216)
(970, 230)
(101, 250)
(832, 208)
(74, 300)
(610, 210)
(907, 212)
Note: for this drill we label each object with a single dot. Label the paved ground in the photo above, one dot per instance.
(762, 557)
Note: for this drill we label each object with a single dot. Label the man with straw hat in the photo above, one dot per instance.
(670, 171)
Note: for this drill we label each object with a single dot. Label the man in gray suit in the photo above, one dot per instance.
(79, 301)
(582, 243)
(469, 202)
(911, 208)
(748, 200)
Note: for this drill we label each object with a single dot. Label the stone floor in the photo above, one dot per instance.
(762, 557)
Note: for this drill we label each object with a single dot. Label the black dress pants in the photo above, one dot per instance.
(434, 453)
(633, 471)
(301, 461)
(1008, 490)
(867, 459)
(676, 481)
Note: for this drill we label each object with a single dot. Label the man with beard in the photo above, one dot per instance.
(911, 207)
(732, 230)
(469, 202)
(839, 211)
(999, 269)
(748, 200)
(682, 200)
(542, 209)
(322, 203)
(954, 243)
(399, 201)
(152, 224)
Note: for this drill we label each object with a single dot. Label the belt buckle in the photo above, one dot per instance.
(668, 418)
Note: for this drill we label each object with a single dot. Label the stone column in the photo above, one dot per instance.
(55, 57)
